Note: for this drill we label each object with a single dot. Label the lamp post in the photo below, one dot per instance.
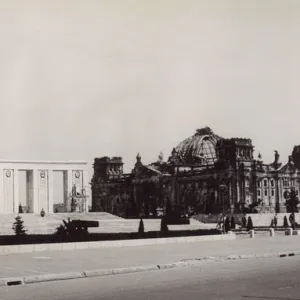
(223, 188)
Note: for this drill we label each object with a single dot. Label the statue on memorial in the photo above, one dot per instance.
(74, 190)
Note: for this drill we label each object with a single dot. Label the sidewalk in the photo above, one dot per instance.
(33, 264)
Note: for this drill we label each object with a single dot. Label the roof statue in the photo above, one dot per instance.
(276, 164)
(291, 162)
(259, 156)
(276, 161)
(174, 152)
(138, 163)
(160, 157)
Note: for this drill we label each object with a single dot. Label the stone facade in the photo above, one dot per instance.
(204, 174)
(39, 185)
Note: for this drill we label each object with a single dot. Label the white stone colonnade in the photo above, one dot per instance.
(40, 187)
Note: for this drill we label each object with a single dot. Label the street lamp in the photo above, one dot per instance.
(223, 188)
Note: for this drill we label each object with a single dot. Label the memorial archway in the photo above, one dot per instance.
(40, 186)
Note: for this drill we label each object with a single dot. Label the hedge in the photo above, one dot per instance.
(94, 237)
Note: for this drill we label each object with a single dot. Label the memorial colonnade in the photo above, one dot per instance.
(40, 184)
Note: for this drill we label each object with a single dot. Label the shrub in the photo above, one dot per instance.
(72, 230)
(164, 225)
(42, 213)
(18, 226)
(244, 222)
(232, 225)
(285, 222)
(249, 224)
(141, 226)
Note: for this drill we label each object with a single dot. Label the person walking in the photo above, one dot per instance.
(292, 220)
(220, 224)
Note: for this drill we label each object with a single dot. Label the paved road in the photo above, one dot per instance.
(258, 279)
(15, 265)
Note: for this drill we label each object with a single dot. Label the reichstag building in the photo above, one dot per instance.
(205, 173)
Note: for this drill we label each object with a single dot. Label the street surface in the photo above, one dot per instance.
(38, 263)
(256, 279)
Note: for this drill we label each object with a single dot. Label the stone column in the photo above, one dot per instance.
(277, 203)
(16, 191)
(238, 199)
(50, 191)
(68, 190)
(35, 191)
(86, 187)
(134, 195)
(230, 200)
(8, 191)
(1, 192)
(173, 191)
(70, 181)
(243, 191)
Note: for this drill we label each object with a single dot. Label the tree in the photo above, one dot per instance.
(249, 224)
(164, 225)
(232, 225)
(18, 226)
(244, 221)
(292, 201)
(141, 226)
(285, 222)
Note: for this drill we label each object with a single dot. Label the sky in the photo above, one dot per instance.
(85, 79)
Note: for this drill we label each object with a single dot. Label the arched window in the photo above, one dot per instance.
(258, 183)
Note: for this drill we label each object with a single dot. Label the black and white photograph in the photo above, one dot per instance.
(150, 150)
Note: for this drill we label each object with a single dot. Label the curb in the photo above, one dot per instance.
(128, 270)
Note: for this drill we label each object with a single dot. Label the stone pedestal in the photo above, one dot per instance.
(252, 234)
(272, 232)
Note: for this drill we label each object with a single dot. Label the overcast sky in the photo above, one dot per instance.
(84, 79)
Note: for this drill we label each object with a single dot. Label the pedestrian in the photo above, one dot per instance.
(220, 225)
(292, 220)
(227, 224)
(275, 221)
